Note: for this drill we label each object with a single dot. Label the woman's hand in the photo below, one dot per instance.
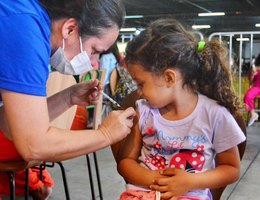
(177, 182)
(85, 94)
(117, 125)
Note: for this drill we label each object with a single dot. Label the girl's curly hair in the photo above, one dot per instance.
(166, 44)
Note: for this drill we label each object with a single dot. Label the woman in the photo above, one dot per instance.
(70, 35)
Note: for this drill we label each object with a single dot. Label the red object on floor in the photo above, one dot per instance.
(8, 152)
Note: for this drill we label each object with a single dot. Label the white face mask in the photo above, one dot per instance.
(76, 66)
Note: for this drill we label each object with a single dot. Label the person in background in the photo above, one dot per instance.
(109, 60)
(253, 91)
(69, 35)
(184, 118)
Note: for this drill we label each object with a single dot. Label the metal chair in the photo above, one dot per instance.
(64, 177)
(57, 82)
(10, 168)
(97, 118)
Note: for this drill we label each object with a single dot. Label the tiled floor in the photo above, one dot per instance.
(78, 178)
(248, 187)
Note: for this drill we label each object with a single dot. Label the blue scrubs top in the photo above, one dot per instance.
(25, 46)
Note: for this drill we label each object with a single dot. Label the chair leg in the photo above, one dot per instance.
(98, 177)
(11, 176)
(65, 183)
(26, 184)
(41, 167)
(90, 178)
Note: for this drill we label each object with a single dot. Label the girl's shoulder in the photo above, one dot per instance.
(142, 104)
(144, 109)
(211, 106)
(207, 102)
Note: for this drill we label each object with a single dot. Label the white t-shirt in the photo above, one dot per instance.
(191, 143)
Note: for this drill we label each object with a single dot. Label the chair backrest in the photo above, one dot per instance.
(217, 192)
(57, 82)
(98, 107)
(100, 75)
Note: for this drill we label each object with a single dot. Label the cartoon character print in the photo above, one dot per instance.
(189, 160)
(156, 160)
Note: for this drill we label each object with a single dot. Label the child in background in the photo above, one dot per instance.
(184, 120)
(253, 92)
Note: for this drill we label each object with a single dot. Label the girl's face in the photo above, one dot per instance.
(154, 88)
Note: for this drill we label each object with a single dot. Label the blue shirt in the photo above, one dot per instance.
(25, 46)
(108, 61)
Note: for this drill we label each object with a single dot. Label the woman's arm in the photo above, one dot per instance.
(180, 182)
(128, 165)
(27, 117)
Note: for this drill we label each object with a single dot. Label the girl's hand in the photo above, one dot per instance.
(177, 183)
(85, 94)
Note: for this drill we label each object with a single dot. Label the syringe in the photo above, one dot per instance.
(111, 100)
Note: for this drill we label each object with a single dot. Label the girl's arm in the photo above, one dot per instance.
(128, 165)
(180, 182)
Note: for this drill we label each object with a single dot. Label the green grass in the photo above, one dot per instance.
(244, 86)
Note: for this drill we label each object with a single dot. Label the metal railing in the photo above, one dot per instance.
(228, 37)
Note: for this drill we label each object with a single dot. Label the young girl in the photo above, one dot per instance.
(185, 118)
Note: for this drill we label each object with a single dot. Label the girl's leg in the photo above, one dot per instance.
(251, 94)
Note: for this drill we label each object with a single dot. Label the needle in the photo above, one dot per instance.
(111, 100)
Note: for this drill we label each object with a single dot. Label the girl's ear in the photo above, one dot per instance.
(170, 77)
(69, 27)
